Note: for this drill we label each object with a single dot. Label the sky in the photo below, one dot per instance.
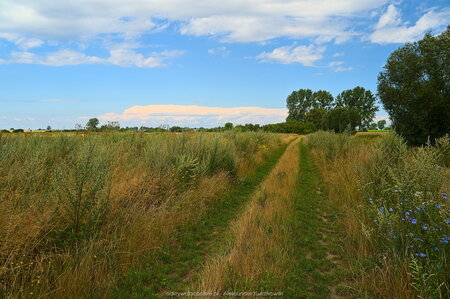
(197, 63)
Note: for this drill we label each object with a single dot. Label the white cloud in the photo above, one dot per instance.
(391, 29)
(119, 57)
(196, 115)
(222, 51)
(305, 55)
(234, 20)
(338, 66)
(22, 42)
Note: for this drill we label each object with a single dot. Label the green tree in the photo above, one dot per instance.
(361, 99)
(92, 124)
(315, 116)
(414, 88)
(298, 103)
(49, 128)
(341, 119)
(373, 126)
(322, 99)
(228, 126)
(381, 124)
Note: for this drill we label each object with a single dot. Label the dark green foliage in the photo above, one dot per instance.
(361, 99)
(92, 124)
(341, 119)
(381, 124)
(373, 126)
(295, 127)
(415, 88)
(315, 116)
(300, 102)
(18, 131)
(228, 126)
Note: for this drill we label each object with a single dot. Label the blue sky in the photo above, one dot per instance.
(194, 63)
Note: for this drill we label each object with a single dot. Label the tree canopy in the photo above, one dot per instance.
(414, 88)
(92, 123)
(361, 99)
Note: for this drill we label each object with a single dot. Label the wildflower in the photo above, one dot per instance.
(391, 209)
(375, 220)
(410, 246)
(413, 220)
(447, 221)
(435, 248)
(421, 254)
(403, 219)
(438, 266)
(439, 167)
(382, 209)
(425, 227)
(438, 206)
(396, 191)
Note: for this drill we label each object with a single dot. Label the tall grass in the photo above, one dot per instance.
(77, 211)
(397, 211)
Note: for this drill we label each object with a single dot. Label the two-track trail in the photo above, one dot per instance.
(277, 236)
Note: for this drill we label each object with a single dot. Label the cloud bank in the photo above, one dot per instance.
(195, 116)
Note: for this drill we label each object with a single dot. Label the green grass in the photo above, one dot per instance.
(170, 268)
(315, 236)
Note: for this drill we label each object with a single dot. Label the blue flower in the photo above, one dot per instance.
(403, 219)
(439, 167)
(424, 227)
(413, 220)
(407, 213)
(421, 254)
(438, 266)
(396, 191)
(382, 209)
(391, 209)
(375, 220)
(447, 221)
(438, 206)
(410, 246)
(435, 248)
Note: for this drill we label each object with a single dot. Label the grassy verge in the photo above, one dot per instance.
(318, 263)
(170, 267)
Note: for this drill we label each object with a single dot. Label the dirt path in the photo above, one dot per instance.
(176, 265)
(283, 241)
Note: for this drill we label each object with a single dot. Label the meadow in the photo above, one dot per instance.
(142, 215)
(78, 211)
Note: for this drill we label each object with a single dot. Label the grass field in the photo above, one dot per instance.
(143, 215)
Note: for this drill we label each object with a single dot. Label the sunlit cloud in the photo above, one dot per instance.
(195, 116)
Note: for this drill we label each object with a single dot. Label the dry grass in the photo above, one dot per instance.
(256, 255)
(147, 200)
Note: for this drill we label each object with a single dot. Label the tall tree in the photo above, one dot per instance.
(92, 123)
(322, 99)
(360, 99)
(341, 119)
(298, 103)
(415, 88)
(381, 124)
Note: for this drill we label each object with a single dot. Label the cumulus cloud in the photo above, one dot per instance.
(119, 57)
(305, 55)
(235, 20)
(392, 29)
(196, 115)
